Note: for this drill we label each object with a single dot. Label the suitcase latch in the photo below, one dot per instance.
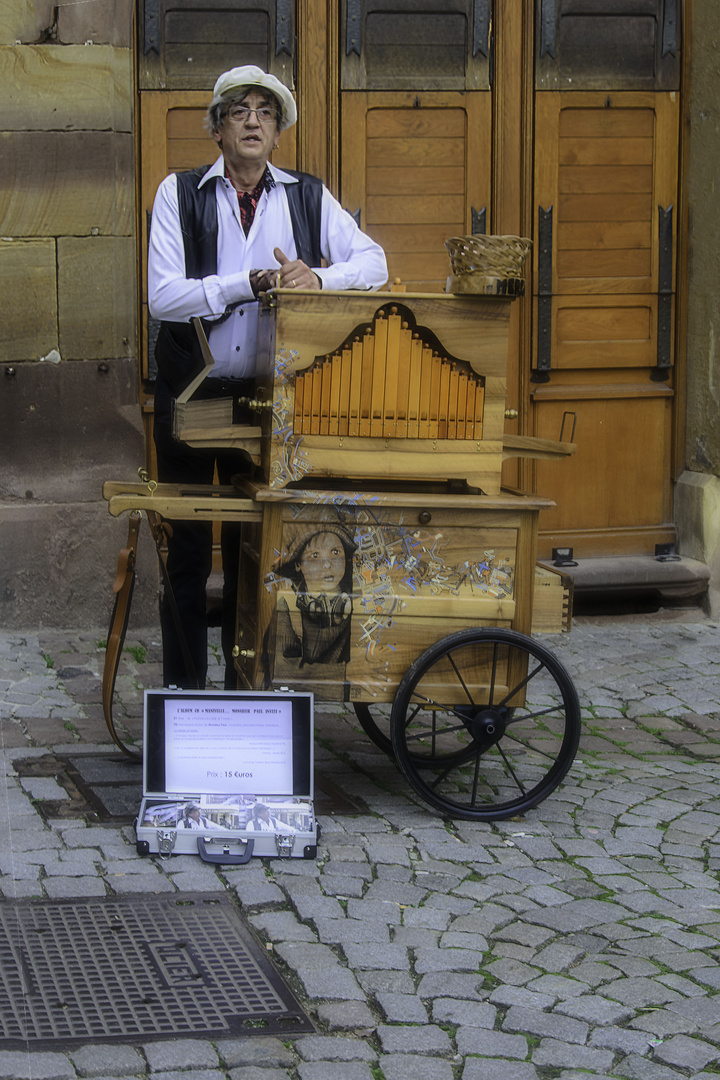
(284, 844)
(166, 841)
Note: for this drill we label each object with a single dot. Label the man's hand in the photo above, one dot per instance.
(262, 280)
(295, 275)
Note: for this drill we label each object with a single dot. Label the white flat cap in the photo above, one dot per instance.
(240, 78)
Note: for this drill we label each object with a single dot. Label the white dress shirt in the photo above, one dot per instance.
(356, 262)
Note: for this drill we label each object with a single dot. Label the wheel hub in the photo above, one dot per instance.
(487, 726)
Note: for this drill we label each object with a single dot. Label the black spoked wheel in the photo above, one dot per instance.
(485, 724)
(375, 724)
(376, 727)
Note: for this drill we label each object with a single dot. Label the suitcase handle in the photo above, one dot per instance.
(225, 856)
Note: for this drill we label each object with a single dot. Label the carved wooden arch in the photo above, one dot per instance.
(390, 378)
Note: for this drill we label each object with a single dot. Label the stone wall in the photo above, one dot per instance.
(703, 192)
(697, 493)
(69, 414)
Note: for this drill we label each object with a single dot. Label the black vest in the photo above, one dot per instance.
(177, 351)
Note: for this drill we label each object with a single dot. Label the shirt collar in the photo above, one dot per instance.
(218, 169)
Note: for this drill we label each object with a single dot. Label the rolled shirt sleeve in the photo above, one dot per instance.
(171, 295)
(356, 261)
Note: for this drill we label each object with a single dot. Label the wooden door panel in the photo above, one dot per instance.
(619, 476)
(185, 44)
(604, 164)
(592, 44)
(605, 184)
(415, 167)
(604, 333)
(415, 44)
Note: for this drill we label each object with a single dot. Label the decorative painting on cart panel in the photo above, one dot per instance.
(360, 592)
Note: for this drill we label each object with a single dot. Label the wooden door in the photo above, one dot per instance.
(414, 168)
(605, 226)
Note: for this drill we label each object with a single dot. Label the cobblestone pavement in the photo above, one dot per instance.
(580, 941)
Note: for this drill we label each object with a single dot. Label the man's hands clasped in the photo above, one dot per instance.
(293, 274)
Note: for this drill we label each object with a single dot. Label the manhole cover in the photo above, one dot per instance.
(74, 972)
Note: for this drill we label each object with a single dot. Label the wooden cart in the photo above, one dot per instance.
(381, 563)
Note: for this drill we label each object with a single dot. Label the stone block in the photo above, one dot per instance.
(60, 88)
(59, 563)
(96, 297)
(497, 1069)
(413, 1039)
(84, 187)
(18, 1064)
(402, 1066)
(25, 20)
(328, 1070)
(28, 285)
(101, 22)
(333, 1048)
(66, 429)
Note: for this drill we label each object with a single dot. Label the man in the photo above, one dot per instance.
(263, 821)
(219, 237)
(193, 818)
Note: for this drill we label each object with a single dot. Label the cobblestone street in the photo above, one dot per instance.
(579, 941)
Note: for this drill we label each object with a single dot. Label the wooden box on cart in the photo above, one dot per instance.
(394, 386)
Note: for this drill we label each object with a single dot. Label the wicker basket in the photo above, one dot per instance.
(489, 256)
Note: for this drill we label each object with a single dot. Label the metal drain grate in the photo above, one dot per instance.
(83, 971)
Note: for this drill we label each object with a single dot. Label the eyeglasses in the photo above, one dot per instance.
(241, 113)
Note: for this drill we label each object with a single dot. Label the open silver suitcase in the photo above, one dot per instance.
(227, 775)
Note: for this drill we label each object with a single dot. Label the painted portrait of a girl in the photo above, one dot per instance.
(315, 629)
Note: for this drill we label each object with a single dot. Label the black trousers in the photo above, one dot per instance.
(189, 560)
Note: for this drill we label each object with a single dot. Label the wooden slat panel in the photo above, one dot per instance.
(412, 178)
(604, 178)
(601, 151)
(186, 123)
(582, 263)
(604, 234)
(408, 123)
(606, 207)
(410, 143)
(586, 323)
(408, 239)
(615, 123)
(594, 486)
(605, 333)
(430, 264)
(429, 180)
(243, 28)
(415, 153)
(190, 153)
(418, 209)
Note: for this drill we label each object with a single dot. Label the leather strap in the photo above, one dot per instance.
(160, 531)
(123, 590)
